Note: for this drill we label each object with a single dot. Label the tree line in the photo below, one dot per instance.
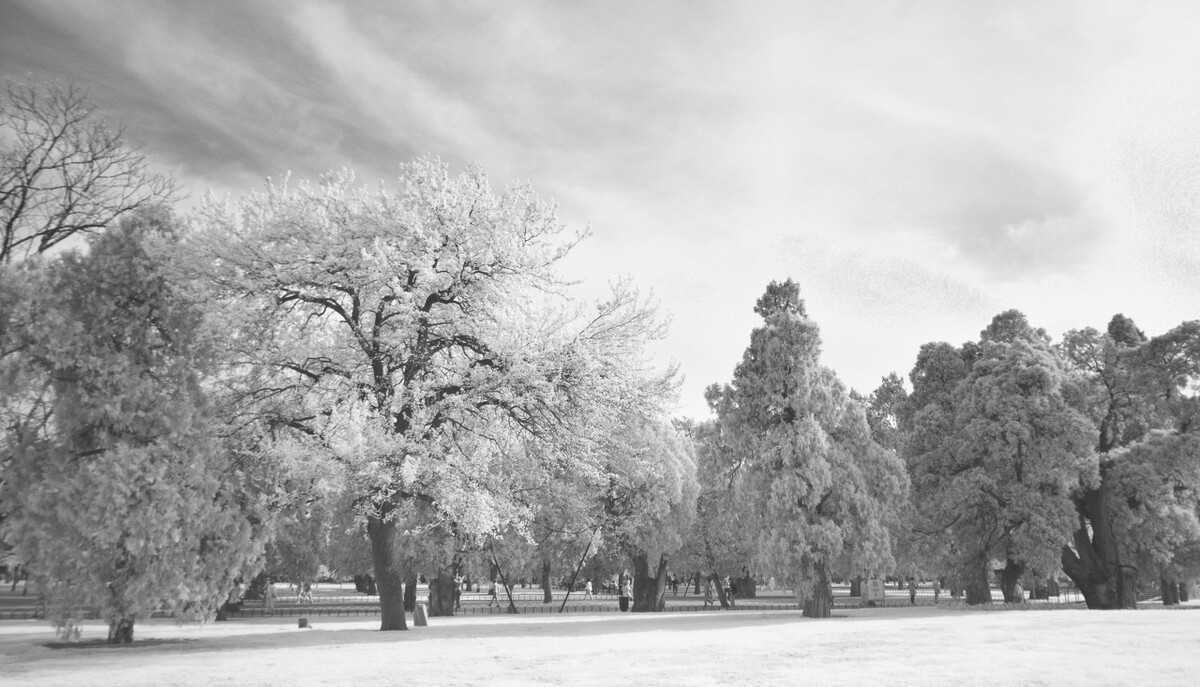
(401, 380)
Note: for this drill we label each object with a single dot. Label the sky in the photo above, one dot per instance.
(916, 167)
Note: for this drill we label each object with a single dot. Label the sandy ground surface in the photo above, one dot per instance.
(892, 646)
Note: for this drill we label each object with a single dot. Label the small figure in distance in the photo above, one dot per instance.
(912, 591)
(306, 593)
(269, 596)
(937, 590)
(587, 589)
(494, 598)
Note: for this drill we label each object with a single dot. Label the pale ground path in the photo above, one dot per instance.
(895, 646)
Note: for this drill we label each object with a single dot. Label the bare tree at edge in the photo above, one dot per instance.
(64, 170)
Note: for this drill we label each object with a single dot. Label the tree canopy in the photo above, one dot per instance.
(421, 335)
(826, 490)
(129, 496)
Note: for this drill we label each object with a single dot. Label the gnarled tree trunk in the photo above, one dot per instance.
(978, 586)
(442, 591)
(819, 602)
(1170, 591)
(856, 586)
(382, 534)
(1094, 563)
(1010, 577)
(649, 593)
(120, 630)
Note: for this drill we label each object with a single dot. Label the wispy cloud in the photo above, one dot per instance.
(916, 167)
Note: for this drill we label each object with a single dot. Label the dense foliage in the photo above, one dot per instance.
(399, 380)
(824, 490)
(126, 492)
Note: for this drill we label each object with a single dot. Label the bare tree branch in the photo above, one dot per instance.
(63, 170)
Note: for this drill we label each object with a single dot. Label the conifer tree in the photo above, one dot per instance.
(825, 489)
(130, 497)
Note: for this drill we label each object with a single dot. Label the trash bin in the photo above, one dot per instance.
(624, 603)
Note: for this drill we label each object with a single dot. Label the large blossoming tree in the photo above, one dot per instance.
(420, 335)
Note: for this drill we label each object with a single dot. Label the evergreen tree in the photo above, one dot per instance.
(995, 449)
(129, 497)
(825, 489)
(1137, 523)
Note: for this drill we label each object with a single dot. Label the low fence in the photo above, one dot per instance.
(531, 603)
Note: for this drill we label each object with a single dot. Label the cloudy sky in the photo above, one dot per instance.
(916, 167)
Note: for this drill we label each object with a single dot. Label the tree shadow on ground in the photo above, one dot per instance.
(104, 644)
(261, 634)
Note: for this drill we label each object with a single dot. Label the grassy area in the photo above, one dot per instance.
(893, 646)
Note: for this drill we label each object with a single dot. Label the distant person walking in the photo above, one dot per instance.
(626, 594)
(912, 591)
(587, 589)
(937, 590)
(494, 598)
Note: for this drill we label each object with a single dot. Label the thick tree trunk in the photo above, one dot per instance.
(954, 582)
(747, 587)
(410, 593)
(1009, 580)
(120, 631)
(649, 592)
(1094, 563)
(382, 534)
(641, 582)
(1183, 592)
(442, 589)
(1127, 585)
(819, 603)
(856, 586)
(1170, 591)
(547, 592)
(1105, 585)
(978, 586)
